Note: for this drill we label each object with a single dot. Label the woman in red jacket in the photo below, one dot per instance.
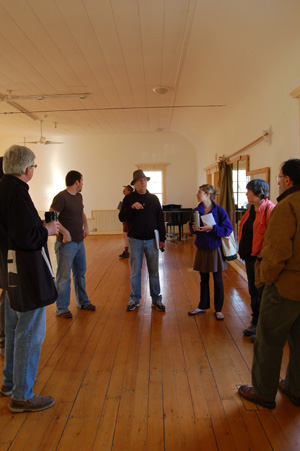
(252, 228)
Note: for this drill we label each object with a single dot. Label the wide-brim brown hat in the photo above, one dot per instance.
(139, 174)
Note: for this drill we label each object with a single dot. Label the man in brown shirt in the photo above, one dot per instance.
(69, 247)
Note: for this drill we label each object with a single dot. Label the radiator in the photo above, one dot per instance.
(105, 222)
(102, 222)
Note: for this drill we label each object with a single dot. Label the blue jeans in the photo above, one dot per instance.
(2, 318)
(25, 333)
(137, 250)
(70, 256)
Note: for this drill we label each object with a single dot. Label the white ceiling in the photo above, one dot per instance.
(118, 50)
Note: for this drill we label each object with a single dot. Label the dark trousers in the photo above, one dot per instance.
(255, 293)
(218, 291)
(279, 321)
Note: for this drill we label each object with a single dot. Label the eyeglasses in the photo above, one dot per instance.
(33, 166)
(278, 177)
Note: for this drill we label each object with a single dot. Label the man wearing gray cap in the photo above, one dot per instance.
(143, 213)
(125, 254)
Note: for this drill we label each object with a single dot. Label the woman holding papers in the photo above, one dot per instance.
(252, 229)
(214, 224)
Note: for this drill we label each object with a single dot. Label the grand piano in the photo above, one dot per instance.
(175, 216)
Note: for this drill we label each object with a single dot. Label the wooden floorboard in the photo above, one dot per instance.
(146, 380)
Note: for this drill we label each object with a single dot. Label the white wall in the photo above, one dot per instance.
(256, 93)
(107, 163)
(243, 124)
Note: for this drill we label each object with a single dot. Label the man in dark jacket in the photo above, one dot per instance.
(21, 230)
(143, 213)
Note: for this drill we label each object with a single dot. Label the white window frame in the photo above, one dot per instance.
(162, 167)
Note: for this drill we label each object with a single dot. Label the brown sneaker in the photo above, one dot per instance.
(6, 390)
(67, 314)
(246, 392)
(294, 399)
(90, 307)
(33, 404)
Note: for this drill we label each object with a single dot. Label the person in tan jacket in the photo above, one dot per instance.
(279, 319)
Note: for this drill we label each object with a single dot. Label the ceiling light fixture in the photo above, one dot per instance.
(11, 97)
(161, 90)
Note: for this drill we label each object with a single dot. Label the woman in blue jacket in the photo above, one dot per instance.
(209, 257)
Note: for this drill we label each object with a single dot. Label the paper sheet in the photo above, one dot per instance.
(208, 219)
(156, 234)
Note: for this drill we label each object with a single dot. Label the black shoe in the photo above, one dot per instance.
(6, 390)
(251, 330)
(2, 347)
(125, 254)
(158, 305)
(132, 305)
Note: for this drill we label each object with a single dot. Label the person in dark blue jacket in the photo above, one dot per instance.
(209, 257)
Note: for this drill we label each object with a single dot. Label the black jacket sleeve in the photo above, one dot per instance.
(26, 228)
(126, 212)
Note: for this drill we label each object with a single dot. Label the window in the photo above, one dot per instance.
(239, 181)
(240, 178)
(156, 184)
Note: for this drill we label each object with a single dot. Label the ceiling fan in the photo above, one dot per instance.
(42, 139)
(10, 99)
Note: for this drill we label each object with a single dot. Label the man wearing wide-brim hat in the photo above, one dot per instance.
(143, 213)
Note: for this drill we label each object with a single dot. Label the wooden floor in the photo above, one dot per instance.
(146, 380)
